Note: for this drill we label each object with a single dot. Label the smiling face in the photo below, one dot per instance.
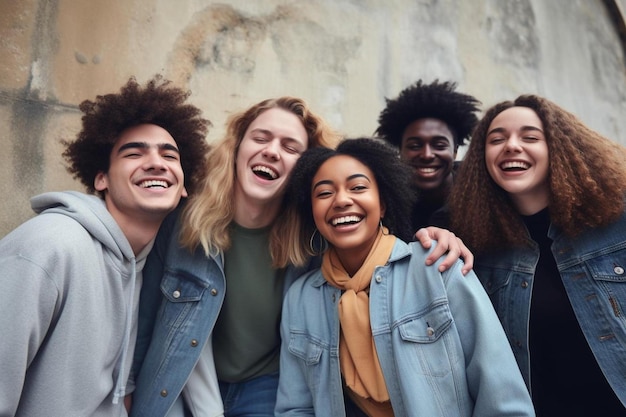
(516, 155)
(145, 180)
(346, 207)
(266, 155)
(428, 146)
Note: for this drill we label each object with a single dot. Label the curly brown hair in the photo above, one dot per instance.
(436, 100)
(158, 103)
(586, 171)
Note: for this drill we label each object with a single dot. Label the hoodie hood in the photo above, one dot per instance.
(91, 212)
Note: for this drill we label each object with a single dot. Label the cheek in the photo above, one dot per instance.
(319, 213)
(290, 163)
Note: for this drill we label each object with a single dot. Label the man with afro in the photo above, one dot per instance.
(71, 276)
(428, 123)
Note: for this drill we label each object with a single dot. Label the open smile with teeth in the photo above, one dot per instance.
(426, 170)
(265, 172)
(154, 184)
(341, 221)
(515, 166)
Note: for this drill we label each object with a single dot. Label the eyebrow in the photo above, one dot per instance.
(351, 177)
(523, 129)
(144, 145)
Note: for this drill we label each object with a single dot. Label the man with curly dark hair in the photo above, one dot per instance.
(428, 123)
(71, 276)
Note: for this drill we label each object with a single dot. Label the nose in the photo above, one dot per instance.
(154, 161)
(342, 199)
(272, 150)
(427, 152)
(513, 144)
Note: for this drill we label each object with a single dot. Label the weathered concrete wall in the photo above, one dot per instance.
(343, 56)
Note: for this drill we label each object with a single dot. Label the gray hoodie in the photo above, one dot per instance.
(68, 305)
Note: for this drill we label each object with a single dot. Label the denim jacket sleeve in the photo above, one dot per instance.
(150, 298)
(294, 397)
(491, 369)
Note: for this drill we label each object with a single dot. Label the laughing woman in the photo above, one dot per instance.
(376, 332)
(540, 199)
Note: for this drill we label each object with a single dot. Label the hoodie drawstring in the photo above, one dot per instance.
(120, 384)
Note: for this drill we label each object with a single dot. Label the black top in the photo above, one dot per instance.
(565, 377)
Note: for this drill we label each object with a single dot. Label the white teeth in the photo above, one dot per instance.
(260, 168)
(345, 219)
(153, 183)
(515, 164)
(427, 170)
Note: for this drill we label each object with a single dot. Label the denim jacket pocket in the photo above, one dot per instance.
(430, 342)
(610, 267)
(305, 348)
(179, 287)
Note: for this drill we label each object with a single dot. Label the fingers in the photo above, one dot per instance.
(424, 238)
(468, 257)
(447, 244)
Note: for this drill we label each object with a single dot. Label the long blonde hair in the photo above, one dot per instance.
(209, 212)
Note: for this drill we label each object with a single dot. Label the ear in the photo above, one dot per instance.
(101, 182)
(184, 193)
(456, 148)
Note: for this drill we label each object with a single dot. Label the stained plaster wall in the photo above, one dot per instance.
(343, 56)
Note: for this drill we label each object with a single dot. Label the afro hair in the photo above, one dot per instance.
(436, 100)
(158, 103)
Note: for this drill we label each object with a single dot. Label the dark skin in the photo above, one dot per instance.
(428, 146)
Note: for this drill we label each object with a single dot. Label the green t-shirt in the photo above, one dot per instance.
(246, 339)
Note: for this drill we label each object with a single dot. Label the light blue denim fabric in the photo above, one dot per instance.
(593, 270)
(440, 345)
(180, 301)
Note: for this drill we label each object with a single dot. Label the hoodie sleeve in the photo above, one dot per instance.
(27, 305)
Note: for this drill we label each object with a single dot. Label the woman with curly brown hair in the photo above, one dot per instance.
(540, 199)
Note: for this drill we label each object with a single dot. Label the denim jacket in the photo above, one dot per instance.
(593, 270)
(438, 339)
(180, 301)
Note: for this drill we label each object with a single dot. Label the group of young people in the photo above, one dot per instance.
(283, 279)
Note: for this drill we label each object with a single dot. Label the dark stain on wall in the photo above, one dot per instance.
(512, 31)
(28, 125)
(221, 38)
(31, 105)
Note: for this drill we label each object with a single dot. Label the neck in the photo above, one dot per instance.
(437, 195)
(140, 229)
(254, 214)
(138, 232)
(531, 202)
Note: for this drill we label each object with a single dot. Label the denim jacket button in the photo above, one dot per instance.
(430, 331)
(163, 393)
(618, 270)
(194, 343)
(524, 284)
(176, 294)
(379, 278)
(213, 291)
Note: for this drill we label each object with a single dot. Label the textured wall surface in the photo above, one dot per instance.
(343, 56)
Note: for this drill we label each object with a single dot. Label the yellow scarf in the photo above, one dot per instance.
(357, 353)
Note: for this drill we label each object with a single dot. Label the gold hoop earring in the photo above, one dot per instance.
(320, 246)
(380, 224)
